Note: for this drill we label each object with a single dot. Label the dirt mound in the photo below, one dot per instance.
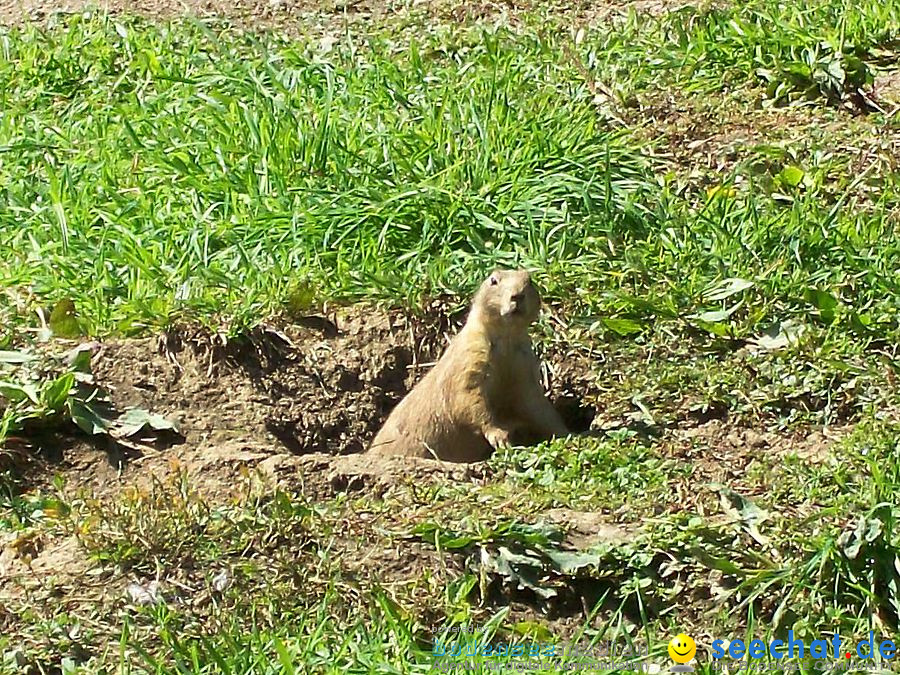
(331, 17)
(323, 384)
(319, 387)
(321, 476)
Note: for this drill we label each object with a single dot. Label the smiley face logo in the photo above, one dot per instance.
(682, 649)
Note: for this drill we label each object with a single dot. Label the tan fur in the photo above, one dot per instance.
(485, 391)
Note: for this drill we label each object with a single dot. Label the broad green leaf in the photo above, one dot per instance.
(424, 528)
(86, 417)
(719, 329)
(824, 301)
(55, 393)
(524, 570)
(713, 317)
(791, 175)
(456, 542)
(64, 320)
(136, 419)
(533, 629)
(460, 589)
(19, 392)
(716, 563)
(623, 327)
(713, 321)
(56, 508)
(79, 358)
(539, 534)
(570, 562)
(645, 305)
(861, 323)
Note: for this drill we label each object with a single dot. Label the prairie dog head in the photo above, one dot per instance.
(507, 297)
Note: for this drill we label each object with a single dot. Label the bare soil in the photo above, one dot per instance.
(705, 139)
(321, 17)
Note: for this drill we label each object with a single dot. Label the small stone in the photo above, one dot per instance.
(755, 439)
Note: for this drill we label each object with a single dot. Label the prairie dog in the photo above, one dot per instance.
(485, 391)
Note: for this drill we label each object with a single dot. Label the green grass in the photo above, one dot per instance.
(160, 173)
(214, 173)
(706, 50)
(591, 473)
(154, 174)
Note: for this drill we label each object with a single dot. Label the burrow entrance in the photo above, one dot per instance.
(322, 385)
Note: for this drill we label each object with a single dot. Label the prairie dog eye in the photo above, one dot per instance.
(494, 281)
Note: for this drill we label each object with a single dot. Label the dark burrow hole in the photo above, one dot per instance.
(339, 405)
(301, 439)
(577, 415)
(576, 599)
